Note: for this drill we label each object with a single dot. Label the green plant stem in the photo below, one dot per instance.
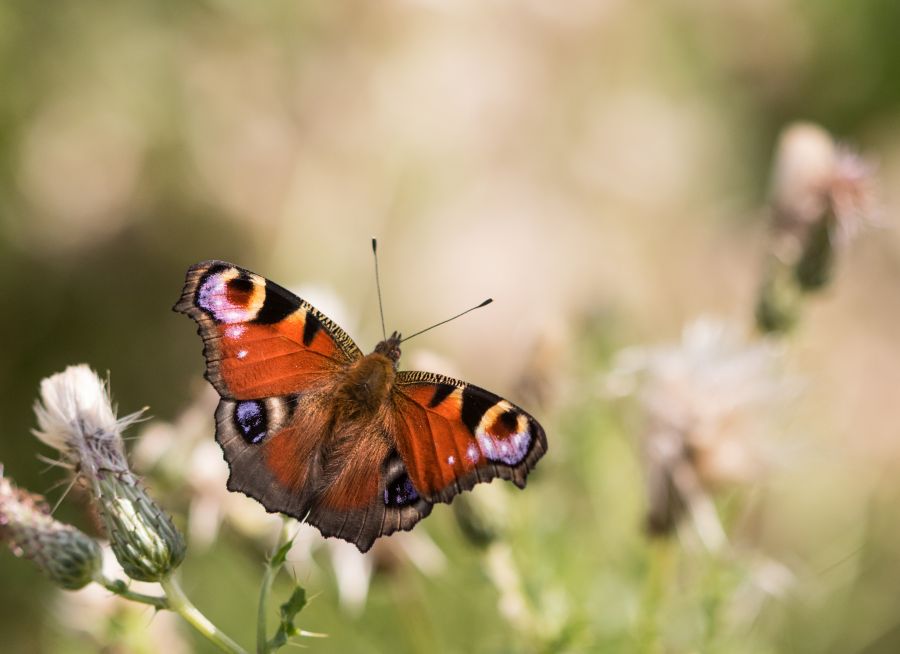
(179, 603)
(657, 583)
(121, 589)
(262, 641)
(265, 589)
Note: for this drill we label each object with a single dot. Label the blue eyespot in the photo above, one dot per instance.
(400, 492)
(250, 419)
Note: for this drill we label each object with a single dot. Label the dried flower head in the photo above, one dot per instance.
(704, 403)
(816, 181)
(69, 557)
(75, 416)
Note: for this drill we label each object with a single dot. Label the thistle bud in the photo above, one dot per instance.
(75, 416)
(69, 557)
(143, 538)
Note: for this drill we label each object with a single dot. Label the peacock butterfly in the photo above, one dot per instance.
(314, 429)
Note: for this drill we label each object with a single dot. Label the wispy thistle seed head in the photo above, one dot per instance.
(69, 557)
(76, 417)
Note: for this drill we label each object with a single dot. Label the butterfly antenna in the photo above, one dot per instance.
(378, 286)
(483, 304)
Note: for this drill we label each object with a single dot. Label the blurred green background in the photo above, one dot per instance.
(598, 167)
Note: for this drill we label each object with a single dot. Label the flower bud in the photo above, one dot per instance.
(69, 557)
(143, 538)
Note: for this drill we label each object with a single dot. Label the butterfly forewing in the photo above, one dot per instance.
(453, 435)
(260, 340)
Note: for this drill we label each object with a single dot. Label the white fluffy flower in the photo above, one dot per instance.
(707, 402)
(75, 417)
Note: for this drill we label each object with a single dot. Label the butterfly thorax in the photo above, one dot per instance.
(366, 384)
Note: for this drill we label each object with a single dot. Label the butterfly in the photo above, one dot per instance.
(314, 429)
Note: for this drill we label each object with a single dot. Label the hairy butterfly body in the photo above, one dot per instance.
(313, 428)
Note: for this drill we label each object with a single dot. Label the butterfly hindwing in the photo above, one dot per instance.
(393, 506)
(453, 435)
(260, 340)
(353, 485)
(264, 449)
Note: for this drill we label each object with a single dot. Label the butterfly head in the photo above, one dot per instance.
(390, 348)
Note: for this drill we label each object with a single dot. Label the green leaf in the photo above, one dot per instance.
(280, 556)
(289, 611)
(279, 640)
(293, 606)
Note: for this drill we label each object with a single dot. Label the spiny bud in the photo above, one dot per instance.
(75, 416)
(146, 543)
(69, 557)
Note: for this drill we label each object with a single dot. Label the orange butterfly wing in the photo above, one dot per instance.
(453, 435)
(260, 340)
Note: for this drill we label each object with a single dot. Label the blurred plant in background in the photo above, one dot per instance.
(823, 195)
(709, 406)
